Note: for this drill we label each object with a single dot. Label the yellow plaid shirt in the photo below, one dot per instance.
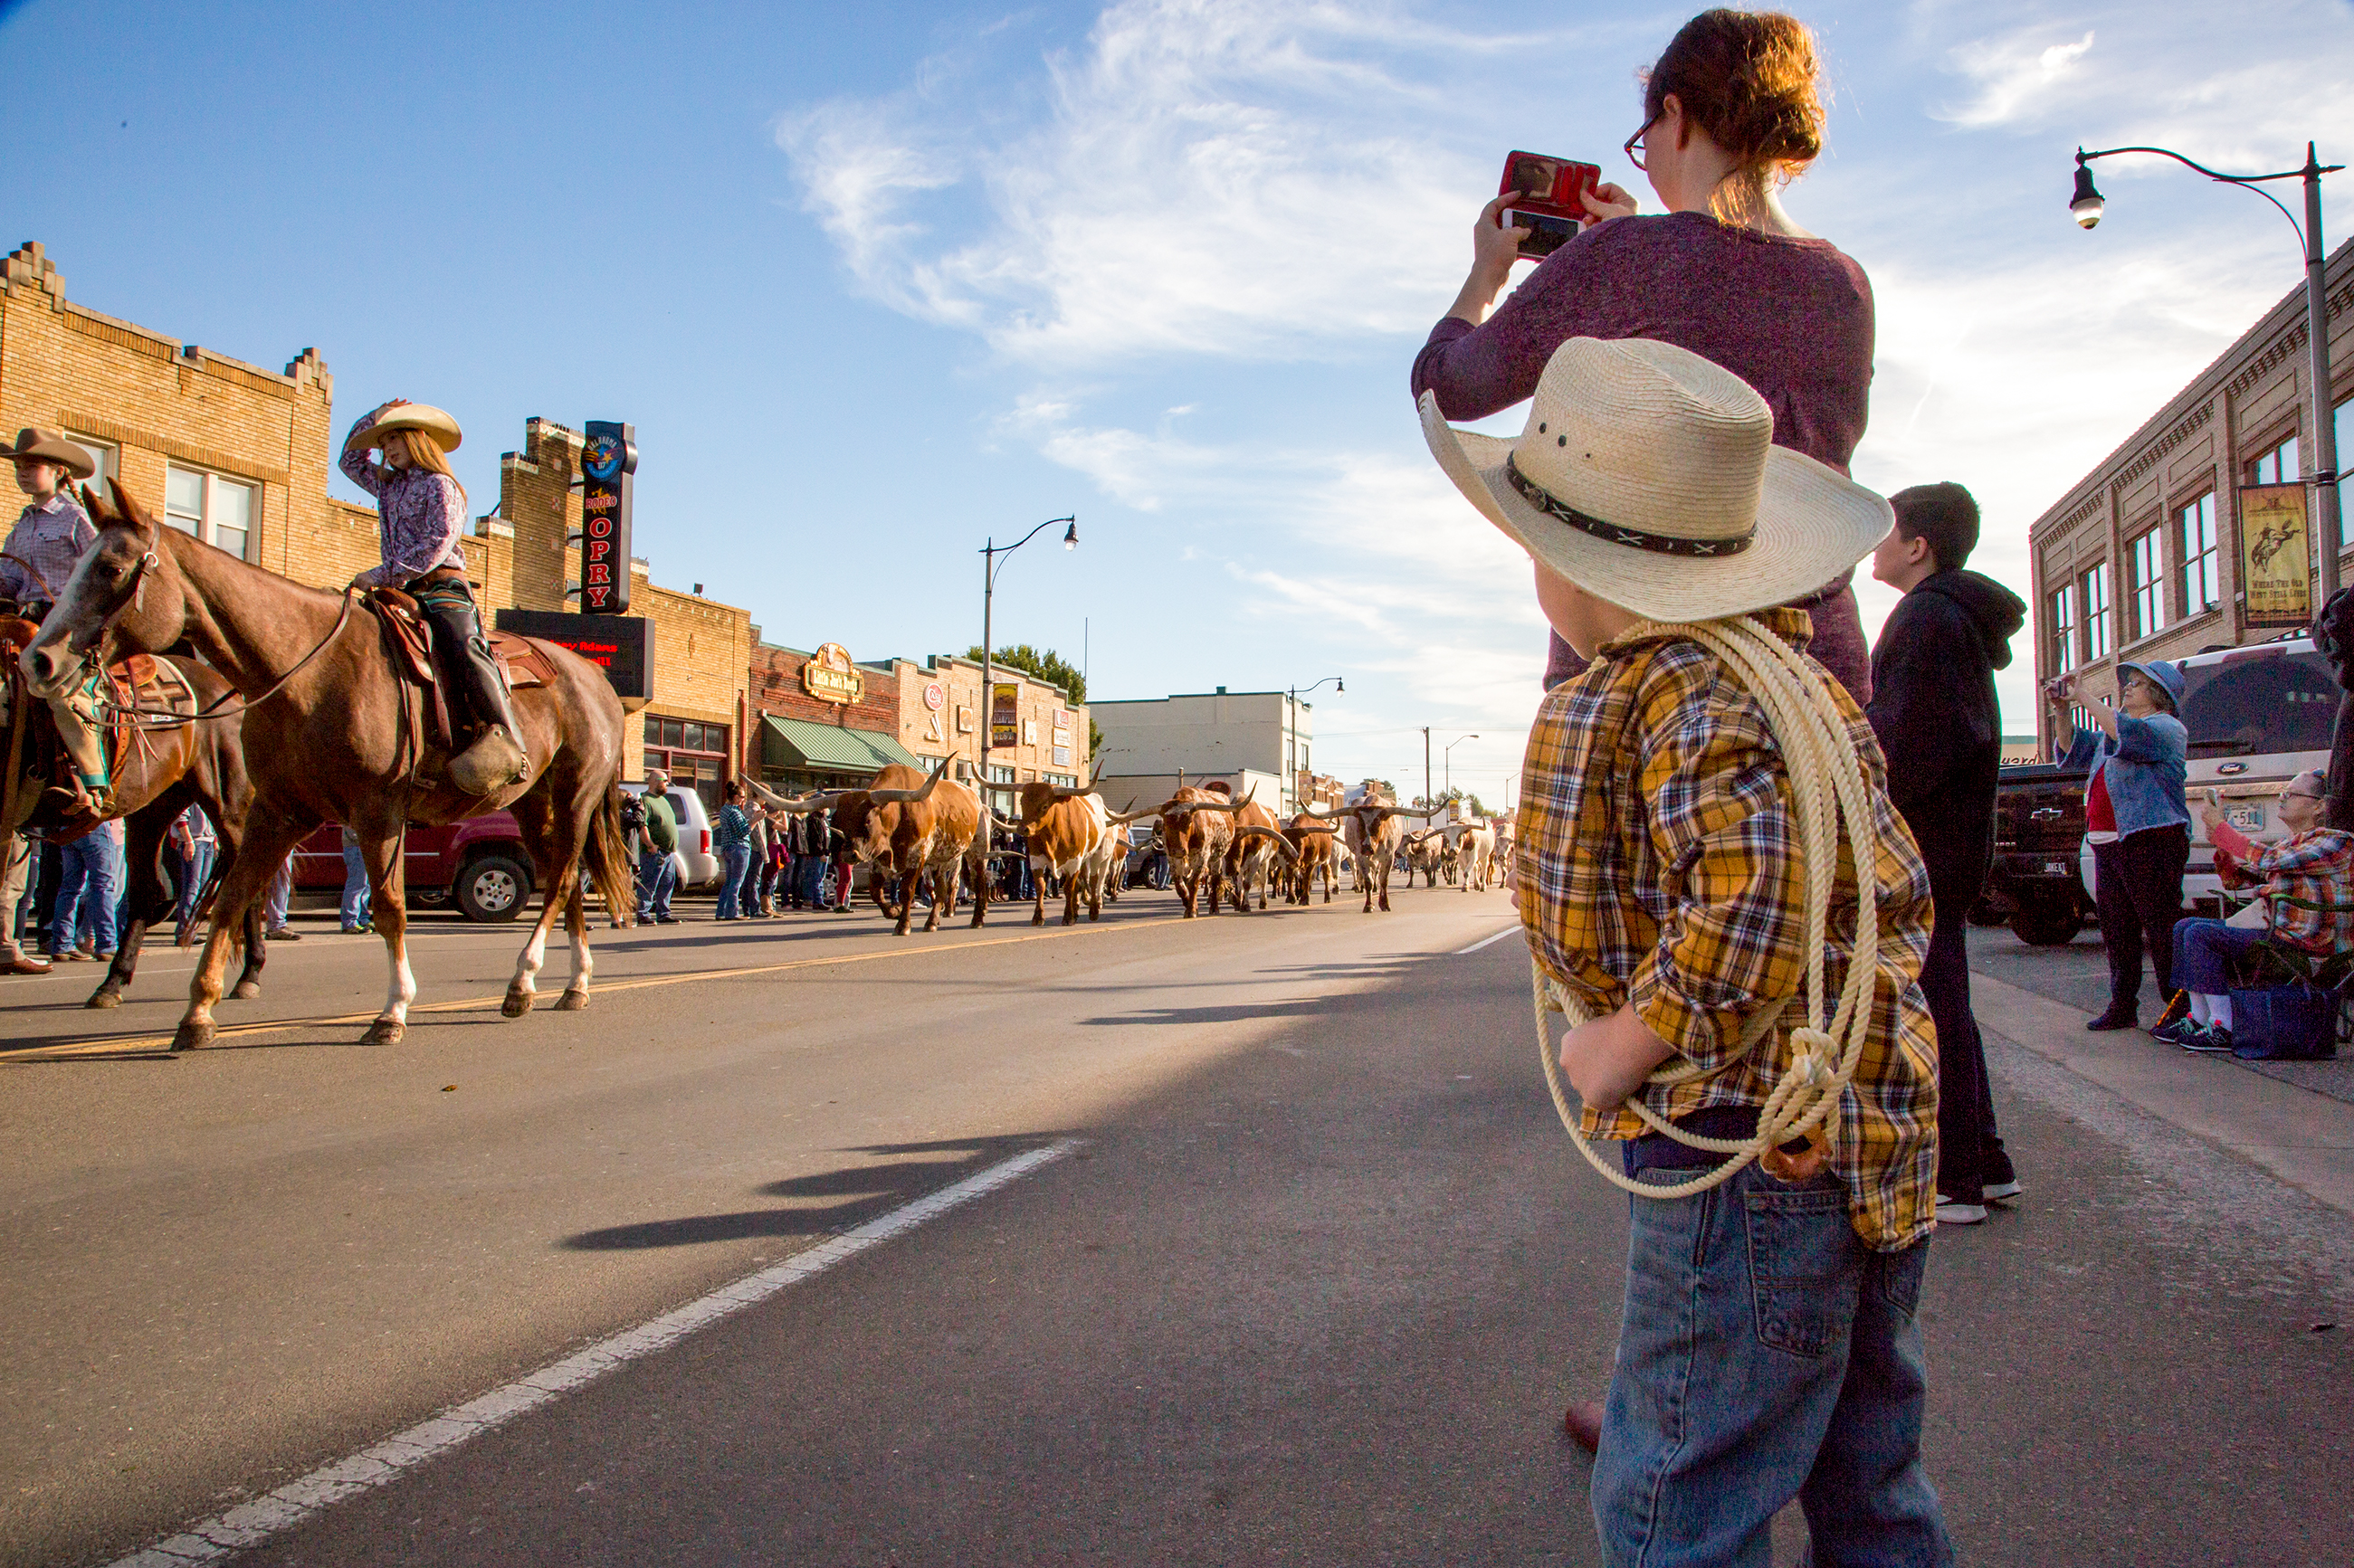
(1659, 861)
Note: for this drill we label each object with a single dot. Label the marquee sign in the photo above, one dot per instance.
(830, 676)
(606, 464)
(620, 645)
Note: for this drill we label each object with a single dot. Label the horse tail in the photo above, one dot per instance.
(609, 858)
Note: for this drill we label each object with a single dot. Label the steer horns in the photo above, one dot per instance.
(1281, 841)
(897, 797)
(1175, 807)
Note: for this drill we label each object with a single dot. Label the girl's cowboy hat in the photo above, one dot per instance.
(35, 444)
(433, 421)
(1649, 476)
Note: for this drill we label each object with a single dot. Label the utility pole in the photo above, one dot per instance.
(1426, 798)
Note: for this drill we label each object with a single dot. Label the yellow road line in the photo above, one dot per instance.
(123, 1045)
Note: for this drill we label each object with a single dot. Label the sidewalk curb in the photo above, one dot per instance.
(2304, 1138)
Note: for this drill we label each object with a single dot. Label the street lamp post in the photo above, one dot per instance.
(1447, 758)
(988, 554)
(1291, 729)
(2088, 205)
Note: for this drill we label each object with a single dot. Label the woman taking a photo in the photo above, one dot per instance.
(732, 837)
(2137, 819)
(1731, 112)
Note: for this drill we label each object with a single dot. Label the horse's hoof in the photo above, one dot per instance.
(246, 990)
(104, 999)
(385, 1031)
(193, 1037)
(572, 1001)
(517, 1003)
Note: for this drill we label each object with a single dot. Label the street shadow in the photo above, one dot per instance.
(823, 1201)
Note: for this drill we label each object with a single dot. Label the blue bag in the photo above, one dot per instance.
(2294, 1022)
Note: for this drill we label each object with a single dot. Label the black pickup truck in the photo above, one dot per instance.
(2037, 830)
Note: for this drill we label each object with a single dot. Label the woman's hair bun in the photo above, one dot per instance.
(1750, 80)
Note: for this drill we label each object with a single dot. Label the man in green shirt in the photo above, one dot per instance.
(657, 840)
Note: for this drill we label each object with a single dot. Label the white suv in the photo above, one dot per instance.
(2258, 716)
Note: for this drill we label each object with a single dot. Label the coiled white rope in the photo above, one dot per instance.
(1827, 794)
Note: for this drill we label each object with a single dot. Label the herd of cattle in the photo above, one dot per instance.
(912, 829)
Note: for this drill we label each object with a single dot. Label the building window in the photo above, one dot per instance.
(105, 454)
(2063, 630)
(215, 508)
(2202, 580)
(694, 755)
(2146, 583)
(2277, 466)
(2094, 584)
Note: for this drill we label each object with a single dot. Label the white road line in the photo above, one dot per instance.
(249, 1524)
(1483, 942)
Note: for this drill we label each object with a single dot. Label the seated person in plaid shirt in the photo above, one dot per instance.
(2308, 880)
(1767, 1350)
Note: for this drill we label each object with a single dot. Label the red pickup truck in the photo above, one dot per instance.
(479, 863)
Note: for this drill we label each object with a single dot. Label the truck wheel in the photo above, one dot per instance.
(492, 888)
(2046, 925)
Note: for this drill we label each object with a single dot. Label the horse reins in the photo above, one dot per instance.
(220, 707)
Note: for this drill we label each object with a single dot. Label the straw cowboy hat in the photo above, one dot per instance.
(433, 421)
(1649, 476)
(35, 444)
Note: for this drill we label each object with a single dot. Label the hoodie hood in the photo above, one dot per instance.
(1994, 609)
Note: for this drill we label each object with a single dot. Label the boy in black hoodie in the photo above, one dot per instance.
(1933, 707)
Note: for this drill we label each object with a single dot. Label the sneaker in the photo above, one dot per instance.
(2214, 1040)
(2002, 1192)
(2176, 1032)
(282, 934)
(1951, 1214)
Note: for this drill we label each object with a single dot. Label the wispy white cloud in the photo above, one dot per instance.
(2010, 73)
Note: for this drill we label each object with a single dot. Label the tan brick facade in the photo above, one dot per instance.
(157, 403)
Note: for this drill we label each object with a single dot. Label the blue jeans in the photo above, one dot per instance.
(1765, 1354)
(734, 861)
(355, 889)
(86, 890)
(656, 873)
(811, 869)
(2203, 951)
(194, 869)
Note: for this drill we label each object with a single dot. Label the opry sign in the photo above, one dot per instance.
(607, 462)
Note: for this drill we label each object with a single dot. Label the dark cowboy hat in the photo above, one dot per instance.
(35, 444)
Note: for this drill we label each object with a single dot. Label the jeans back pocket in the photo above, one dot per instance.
(1803, 1257)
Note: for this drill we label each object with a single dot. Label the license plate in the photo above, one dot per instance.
(2055, 868)
(2247, 819)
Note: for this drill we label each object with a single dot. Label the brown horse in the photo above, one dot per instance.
(160, 769)
(333, 733)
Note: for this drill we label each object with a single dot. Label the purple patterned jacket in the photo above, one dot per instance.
(420, 515)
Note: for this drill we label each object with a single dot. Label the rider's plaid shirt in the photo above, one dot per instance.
(49, 538)
(1658, 862)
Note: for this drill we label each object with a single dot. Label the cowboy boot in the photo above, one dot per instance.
(496, 757)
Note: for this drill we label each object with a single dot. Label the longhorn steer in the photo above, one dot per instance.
(1312, 843)
(1426, 851)
(1251, 858)
(1197, 828)
(1477, 847)
(1374, 835)
(1070, 835)
(907, 825)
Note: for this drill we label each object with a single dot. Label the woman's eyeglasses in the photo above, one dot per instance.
(1636, 151)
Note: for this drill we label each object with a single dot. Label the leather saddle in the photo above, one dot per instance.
(408, 642)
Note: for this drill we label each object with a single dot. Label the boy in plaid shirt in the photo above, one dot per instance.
(1768, 1350)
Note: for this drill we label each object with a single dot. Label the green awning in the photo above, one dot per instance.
(798, 744)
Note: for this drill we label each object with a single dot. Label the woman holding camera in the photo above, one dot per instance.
(1731, 112)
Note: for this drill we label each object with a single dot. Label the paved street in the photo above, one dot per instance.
(1310, 1287)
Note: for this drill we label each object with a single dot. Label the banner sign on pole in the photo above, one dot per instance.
(2276, 556)
(1004, 729)
(606, 464)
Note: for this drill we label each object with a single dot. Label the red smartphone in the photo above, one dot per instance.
(1548, 207)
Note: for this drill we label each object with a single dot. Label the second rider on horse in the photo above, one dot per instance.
(421, 520)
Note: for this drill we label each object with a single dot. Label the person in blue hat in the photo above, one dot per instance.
(2136, 818)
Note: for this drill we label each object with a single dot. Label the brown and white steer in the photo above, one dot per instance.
(1197, 828)
(1373, 836)
(1070, 836)
(1476, 844)
(908, 826)
(1424, 850)
(1252, 859)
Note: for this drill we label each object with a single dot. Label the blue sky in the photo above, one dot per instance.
(877, 282)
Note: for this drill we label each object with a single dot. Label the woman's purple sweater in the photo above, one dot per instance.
(1791, 317)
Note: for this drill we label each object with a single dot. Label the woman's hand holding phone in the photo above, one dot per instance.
(1607, 202)
(1495, 247)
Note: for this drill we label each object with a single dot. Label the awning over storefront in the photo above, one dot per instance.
(800, 747)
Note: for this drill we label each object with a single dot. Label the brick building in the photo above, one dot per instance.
(240, 456)
(2141, 558)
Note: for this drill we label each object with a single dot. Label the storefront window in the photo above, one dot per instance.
(694, 755)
